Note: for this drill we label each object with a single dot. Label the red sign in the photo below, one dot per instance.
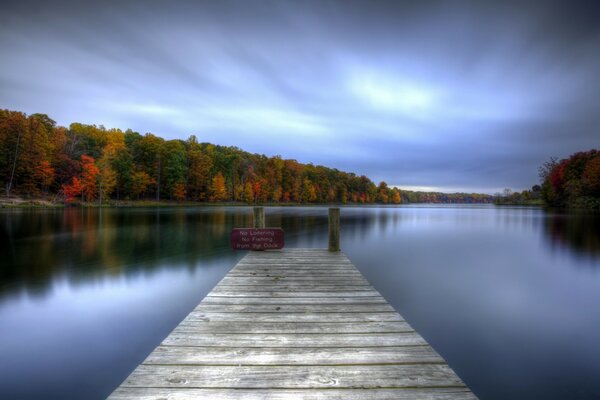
(256, 239)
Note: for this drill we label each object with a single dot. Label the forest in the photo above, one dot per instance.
(89, 164)
(573, 182)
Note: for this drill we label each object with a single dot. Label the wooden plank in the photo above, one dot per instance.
(291, 340)
(293, 308)
(293, 274)
(341, 273)
(247, 300)
(182, 355)
(283, 287)
(292, 327)
(225, 292)
(303, 280)
(297, 317)
(308, 262)
(289, 377)
(283, 281)
(127, 393)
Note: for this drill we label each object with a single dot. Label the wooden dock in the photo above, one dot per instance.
(293, 324)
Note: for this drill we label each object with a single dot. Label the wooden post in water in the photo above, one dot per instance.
(334, 229)
(259, 217)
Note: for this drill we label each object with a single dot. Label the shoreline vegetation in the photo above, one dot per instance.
(43, 164)
(33, 203)
(572, 182)
(569, 184)
(46, 165)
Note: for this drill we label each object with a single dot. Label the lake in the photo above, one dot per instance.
(509, 296)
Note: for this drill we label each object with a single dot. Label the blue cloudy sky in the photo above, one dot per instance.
(451, 96)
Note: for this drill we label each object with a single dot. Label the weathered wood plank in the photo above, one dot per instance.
(293, 308)
(290, 340)
(126, 393)
(313, 376)
(181, 355)
(294, 267)
(312, 263)
(338, 273)
(281, 279)
(225, 292)
(283, 287)
(292, 327)
(247, 300)
(297, 317)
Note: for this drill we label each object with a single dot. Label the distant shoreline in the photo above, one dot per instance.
(45, 203)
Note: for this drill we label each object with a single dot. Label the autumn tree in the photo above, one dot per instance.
(179, 191)
(89, 175)
(590, 177)
(396, 198)
(199, 166)
(174, 166)
(72, 190)
(107, 175)
(149, 149)
(140, 181)
(248, 196)
(13, 126)
(44, 175)
(33, 169)
(309, 194)
(383, 193)
(218, 189)
(124, 168)
(572, 182)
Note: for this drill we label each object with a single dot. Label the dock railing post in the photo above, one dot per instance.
(334, 229)
(259, 217)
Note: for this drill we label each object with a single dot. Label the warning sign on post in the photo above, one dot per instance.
(256, 239)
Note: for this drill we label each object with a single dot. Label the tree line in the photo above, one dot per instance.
(573, 182)
(93, 164)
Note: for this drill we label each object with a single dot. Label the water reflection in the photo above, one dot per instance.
(578, 233)
(480, 283)
(40, 244)
(84, 242)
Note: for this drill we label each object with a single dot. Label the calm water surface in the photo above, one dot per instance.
(509, 296)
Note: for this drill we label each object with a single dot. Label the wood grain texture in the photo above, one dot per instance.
(126, 393)
(182, 355)
(315, 301)
(221, 291)
(186, 338)
(291, 327)
(295, 317)
(293, 377)
(293, 324)
(294, 308)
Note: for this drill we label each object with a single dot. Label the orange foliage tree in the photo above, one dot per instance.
(179, 191)
(89, 174)
(218, 189)
(72, 190)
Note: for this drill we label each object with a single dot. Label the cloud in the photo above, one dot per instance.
(430, 94)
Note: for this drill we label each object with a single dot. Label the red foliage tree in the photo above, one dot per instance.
(72, 190)
(89, 174)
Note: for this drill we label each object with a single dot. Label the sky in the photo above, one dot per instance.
(452, 96)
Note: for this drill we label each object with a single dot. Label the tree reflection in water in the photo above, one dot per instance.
(579, 233)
